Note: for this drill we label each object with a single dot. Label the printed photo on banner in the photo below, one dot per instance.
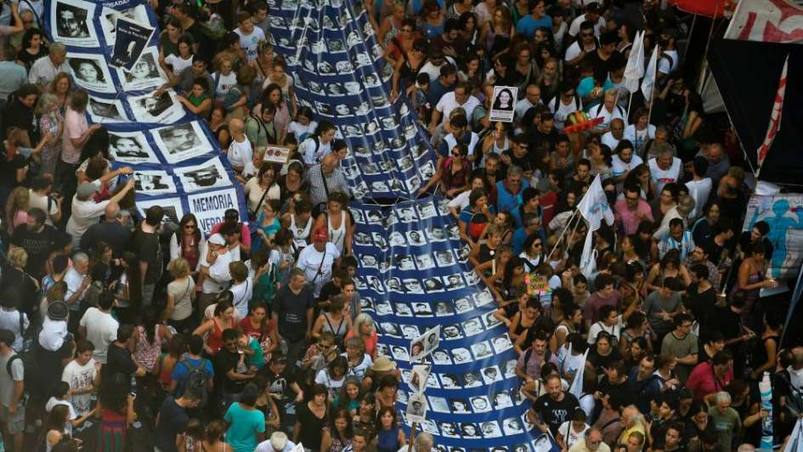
(73, 23)
(276, 154)
(130, 41)
(152, 108)
(209, 174)
(210, 208)
(106, 110)
(91, 72)
(172, 208)
(109, 16)
(425, 344)
(131, 147)
(152, 183)
(181, 142)
(503, 103)
(416, 408)
(145, 74)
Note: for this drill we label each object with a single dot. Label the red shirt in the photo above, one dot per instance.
(702, 380)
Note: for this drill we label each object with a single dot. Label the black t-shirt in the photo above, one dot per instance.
(118, 360)
(8, 169)
(38, 245)
(172, 421)
(149, 249)
(525, 163)
(224, 362)
(279, 384)
(554, 413)
(725, 321)
(291, 310)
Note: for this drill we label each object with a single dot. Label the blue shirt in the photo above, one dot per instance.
(182, 369)
(528, 24)
(243, 427)
(506, 201)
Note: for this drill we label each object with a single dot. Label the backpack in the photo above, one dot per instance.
(31, 373)
(195, 380)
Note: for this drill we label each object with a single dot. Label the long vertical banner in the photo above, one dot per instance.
(177, 162)
(413, 274)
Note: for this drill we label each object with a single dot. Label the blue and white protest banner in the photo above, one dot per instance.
(112, 53)
(784, 215)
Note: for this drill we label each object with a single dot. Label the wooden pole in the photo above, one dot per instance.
(412, 437)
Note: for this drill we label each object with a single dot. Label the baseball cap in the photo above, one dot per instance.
(217, 239)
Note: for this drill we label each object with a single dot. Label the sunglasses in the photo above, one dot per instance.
(189, 226)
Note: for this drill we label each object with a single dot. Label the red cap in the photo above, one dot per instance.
(321, 234)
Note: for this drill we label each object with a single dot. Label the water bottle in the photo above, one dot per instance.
(765, 388)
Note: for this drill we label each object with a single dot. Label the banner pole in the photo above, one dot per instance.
(560, 237)
(412, 437)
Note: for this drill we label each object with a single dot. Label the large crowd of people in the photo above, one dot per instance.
(127, 332)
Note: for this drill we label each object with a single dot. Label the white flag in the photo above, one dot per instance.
(635, 63)
(795, 442)
(648, 83)
(576, 389)
(594, 205)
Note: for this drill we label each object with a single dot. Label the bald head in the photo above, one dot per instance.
(236, 125)
(112, 211)
(329, 163)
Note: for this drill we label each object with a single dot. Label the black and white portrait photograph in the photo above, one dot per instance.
(416, 238)
(480, 404)
(438, 404)
(153, 182)
(512, 426)
(503, 103)
(422, 309)
(452, 332)
(459, 406)
(72, 20)
(399, 353)
(502, 399)
(424, 261)
(416, 408)
(172, 208)
(491, 374)
(448, 429)
(90, 72)
(206, 175)
(490, 429)
(481, 350)
(396, 239)
(410, 332)
(130, 147)
(145, 74)
(441, 357)
(131, 38)
(461, 355)
(182, 141)
(109, 16)
(162, 108)
(379, 186)
(472, 327)
(413, 286)
(437, 234)
(501, 343)
(404, 262)
(419, 376)
(363, 239)
(403, 310)
(462, 305)
(389, 328)
(472, 380)
(453, 282)
(469, 430)
(103, 110)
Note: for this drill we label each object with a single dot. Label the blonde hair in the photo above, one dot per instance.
(46, 103)
(178, 268)
(360, 320)
(19, 199)
(18, 257)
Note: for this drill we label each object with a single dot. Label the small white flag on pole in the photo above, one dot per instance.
(648, 84)
(594, 208)
(634, 70)
(576, 389)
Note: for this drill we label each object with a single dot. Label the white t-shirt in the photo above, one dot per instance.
(662, 177)
(599, 111)
(242, 296)
(240, 152)
(571, 437)
(301, 131)
(219, 275)
(73, 280)
(10, 320)
(359, 370)
(619, 166)
(101, 331)
(254, 193)
(609, 140)
(561, 111)
(313, 156)
(598, 327)
(178, 63)
(42, 202)
(317, 272)
(699, 190)
(84, 214)
(223, 83)
(574, 28)
(80, 377)
(53, 334)
(250, 42)
(448, 103)
(639, 137)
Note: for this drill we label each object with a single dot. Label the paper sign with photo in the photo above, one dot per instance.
(145, 74)
(210, 208)
(71, 22)
(157, 109)
(131, 38)
(503, 105)
(209, 174)
(152, 183)
(106, 110)
(171, 206)
(109, 16)
(131, 147)
(418, 380)
(91, 72)
(425, 344)
(416, 408)
(181, 141)
(276, 154)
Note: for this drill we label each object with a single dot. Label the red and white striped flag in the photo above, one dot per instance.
(775, 117)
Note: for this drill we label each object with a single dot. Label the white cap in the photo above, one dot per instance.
(217, 239)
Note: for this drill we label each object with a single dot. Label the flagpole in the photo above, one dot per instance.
(703, 77)
(560, 237)
(691, 33)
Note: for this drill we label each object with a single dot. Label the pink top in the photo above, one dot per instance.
(630, 219)
(146, 354)
(75, 125)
